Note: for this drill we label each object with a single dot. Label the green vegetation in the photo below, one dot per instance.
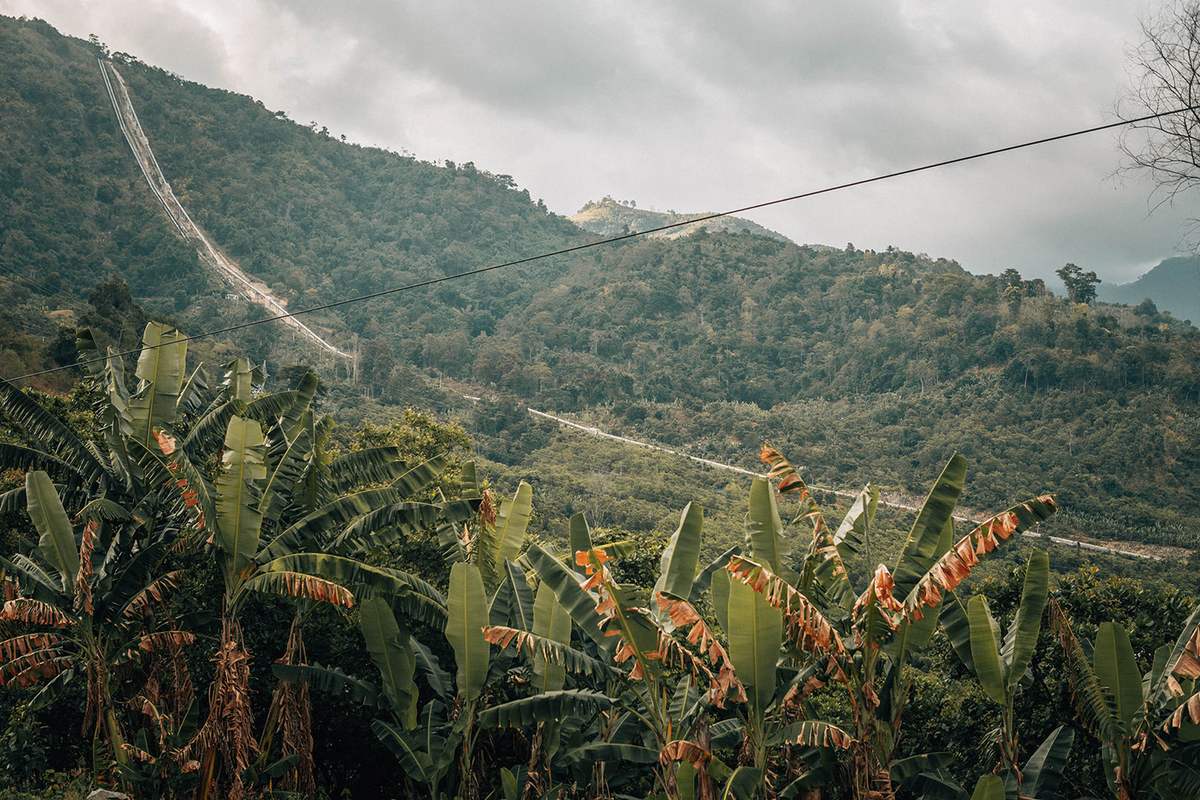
(249, 580)
(169, 532)
(710, 341)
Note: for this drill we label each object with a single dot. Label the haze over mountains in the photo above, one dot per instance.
(863, 364)
(1173, 285)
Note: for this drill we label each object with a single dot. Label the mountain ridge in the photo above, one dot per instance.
(1172, 285)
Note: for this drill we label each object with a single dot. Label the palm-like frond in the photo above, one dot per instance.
(1089, 698)
(154, 593)
(560, 704)
(332, 681)
(35, 612)
(101, 509)
(815, 733)
(195, 393)
(33, 580)
(373, 465)
(569, 658)
(206, 434)
(381, 525)
(953, 567)
(53, 434)
(288, 471)
(18, 457)
(315, 530)
(415, 597)
(302, 586)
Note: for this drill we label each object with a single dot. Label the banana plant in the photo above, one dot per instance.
(298, 563)
(928, 775)
(125, 413)
(161, 396)
(1148, 726)
(89, 598)
(1001, 664)
(421, 737)
(470, 618)
(660, 706)
(859, 641)
(307, 481)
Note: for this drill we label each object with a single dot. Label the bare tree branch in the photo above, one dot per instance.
(1165, 74)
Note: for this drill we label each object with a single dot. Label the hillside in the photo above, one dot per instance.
(863, 364)
(310, 216)
(1173, 285)
(608, 217)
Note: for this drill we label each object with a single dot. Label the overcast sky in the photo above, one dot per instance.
(709, 105)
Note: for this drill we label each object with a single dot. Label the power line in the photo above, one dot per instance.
(623, 237)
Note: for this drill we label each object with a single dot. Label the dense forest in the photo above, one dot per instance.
(672, 339)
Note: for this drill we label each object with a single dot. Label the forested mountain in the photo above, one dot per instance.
(860, 362)
(1173, 285)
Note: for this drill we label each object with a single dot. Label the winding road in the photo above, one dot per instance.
(591, 430)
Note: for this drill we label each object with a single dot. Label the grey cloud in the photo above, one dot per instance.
(705, 105)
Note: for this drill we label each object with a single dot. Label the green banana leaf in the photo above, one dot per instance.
(1117, 670)
(1043, 772)
(437, 678)
(56, 536)
(764, 528)
(985, 649)
(990, 787)
(618, 752)
(551, 621)
(547, 707)
(566, 587)
(387, 644)
(161, 366)
(853, 535)
(288, 472)
(331, 680)
(511, 522)
(239, 380)
(1022, 637)
(953, 619)
(239, 522)
(755, 635)
(513, 603)
(920, 548)
(467, 613)
(705, 577)
(720, 598)
(681, 557)
(51, 434)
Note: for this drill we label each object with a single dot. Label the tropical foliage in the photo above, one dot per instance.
(161, 531)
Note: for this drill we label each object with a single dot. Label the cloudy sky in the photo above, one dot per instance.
(704, 105)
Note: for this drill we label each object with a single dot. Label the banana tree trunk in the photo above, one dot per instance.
(226, 738)
(290, 715)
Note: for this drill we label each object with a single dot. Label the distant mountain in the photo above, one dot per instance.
(1174, 286)
(608, 217)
